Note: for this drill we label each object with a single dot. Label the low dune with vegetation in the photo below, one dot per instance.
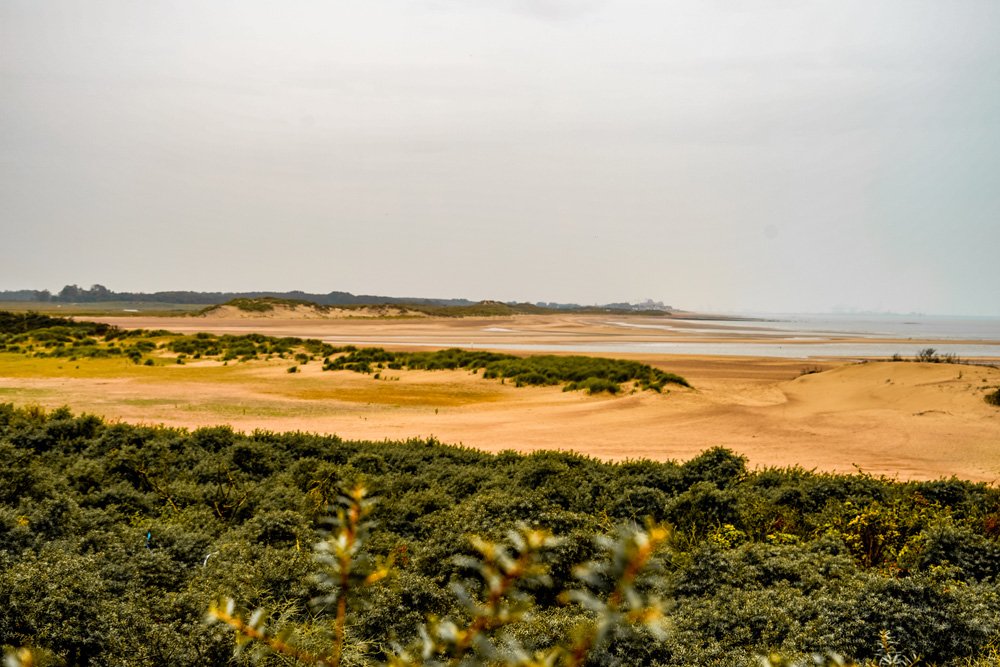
(888, 417)
(279, 308)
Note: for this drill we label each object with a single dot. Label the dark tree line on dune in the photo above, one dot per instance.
(115, 539)
(100, 293)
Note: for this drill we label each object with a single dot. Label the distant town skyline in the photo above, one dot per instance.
(724, 157)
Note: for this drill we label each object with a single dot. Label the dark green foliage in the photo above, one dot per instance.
(19, 323)
(593, 386)
(593, 374)
(976, 557)
(114, 539)
(993, 398)
(261, 304)
(718, 466)
(929, 355)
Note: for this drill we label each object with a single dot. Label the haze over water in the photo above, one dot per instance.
(880, 326)
(781, 336)
(717, 156)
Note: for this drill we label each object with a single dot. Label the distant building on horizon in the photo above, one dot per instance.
(648, 304)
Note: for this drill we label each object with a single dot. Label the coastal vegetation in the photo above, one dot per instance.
(595, 374)
(261, 304)
(481, 309)
(99, 297)
(115, 540)
(993, 398)
(930, 355)
(45, 336)
(74, 294)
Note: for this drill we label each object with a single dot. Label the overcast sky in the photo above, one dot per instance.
(732, 155)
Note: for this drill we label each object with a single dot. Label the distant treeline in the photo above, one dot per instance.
(101, 294)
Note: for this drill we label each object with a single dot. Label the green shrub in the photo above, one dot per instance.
(594, 386)
(132, 529)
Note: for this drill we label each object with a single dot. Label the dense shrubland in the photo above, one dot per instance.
(114, 540)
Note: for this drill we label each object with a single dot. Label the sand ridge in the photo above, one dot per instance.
(302, 312)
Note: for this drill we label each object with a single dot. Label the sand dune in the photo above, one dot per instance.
(299, 312)
(913, 420)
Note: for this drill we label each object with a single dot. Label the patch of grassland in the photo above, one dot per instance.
(386, 394)
(22, 393)
(27, 366)
(259, 409)
(102, 308)
(154, 402)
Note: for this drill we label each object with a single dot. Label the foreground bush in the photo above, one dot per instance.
(114, 539)
(494, 608)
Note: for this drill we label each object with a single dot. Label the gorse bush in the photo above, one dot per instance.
(115, 538)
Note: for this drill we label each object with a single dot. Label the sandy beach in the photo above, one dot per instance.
(911, 420)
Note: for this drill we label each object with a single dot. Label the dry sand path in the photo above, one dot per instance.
(906, 419)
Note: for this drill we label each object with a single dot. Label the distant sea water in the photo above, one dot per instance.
(880, 326)
(807, 335)
(798, 332)
(794, 337)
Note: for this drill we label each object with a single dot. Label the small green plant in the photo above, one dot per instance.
(888, 655)
(594, 386)
(499, 601)
(993, 399)
(293, 369)
(344, 573)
